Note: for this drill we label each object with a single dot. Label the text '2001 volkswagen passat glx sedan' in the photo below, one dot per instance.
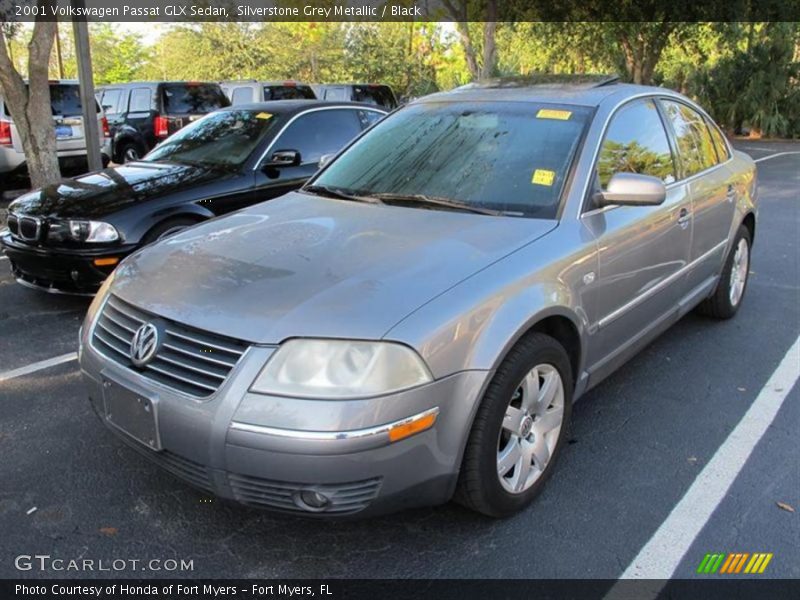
(414, 324)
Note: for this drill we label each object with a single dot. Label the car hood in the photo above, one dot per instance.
(96, 195)
(305, 266)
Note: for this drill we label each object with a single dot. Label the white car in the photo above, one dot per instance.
(65, 101)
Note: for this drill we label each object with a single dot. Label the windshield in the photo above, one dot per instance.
(377, 95)
(512, 157)
(288, 92)
(222, 139)
(65, 101)
(195, 98)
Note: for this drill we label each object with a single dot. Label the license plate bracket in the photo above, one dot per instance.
(132, 413)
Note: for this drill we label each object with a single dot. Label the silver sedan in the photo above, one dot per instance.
(415, 323)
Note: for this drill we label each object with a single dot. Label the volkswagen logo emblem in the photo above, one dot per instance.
(145, 344)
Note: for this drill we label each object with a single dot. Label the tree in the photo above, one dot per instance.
(460, 11)
(29, 105)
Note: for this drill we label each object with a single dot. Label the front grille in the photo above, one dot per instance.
(345, 498)
(189, 360)
(13, 224)
(29, 228)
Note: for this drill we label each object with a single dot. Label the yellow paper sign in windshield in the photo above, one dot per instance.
(543, 177)
(264, 115)
(548, 113)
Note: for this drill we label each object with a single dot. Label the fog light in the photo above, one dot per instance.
(313, 500)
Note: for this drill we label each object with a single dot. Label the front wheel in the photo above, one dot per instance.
(727, 298)
(519, 429)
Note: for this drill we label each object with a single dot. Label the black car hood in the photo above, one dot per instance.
(98, 194)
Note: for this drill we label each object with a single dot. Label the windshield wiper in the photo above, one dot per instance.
(435, 201)
(340, 193)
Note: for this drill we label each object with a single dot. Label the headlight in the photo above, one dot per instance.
(92, 231)
(338, 369)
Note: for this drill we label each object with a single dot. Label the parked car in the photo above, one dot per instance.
(247, 91)
(366, 93)
(65, 103)
(416, 321)
(68, 237)
(144, 113)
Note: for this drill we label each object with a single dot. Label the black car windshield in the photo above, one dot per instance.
(512, 157)
(222, 139)
(192, 98)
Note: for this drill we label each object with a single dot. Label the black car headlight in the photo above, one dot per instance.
(92, 231)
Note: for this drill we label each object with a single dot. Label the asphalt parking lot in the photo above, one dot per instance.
(639, 442)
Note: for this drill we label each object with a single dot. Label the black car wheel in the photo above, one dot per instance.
(129, 152)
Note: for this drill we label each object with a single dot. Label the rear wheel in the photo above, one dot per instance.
(727, 298)
(519, 429)
(129, 152)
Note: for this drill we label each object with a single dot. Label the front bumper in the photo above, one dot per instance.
(265, 451)
(59, 271)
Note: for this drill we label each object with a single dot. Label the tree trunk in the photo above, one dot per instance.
(29, 105)
(488, 65)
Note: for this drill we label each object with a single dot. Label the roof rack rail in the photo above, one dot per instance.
(608, 81)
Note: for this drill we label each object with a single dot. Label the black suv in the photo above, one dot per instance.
(365, 93)
(142, 114)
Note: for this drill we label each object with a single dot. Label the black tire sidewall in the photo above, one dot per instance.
(496, 401)
(725, 282)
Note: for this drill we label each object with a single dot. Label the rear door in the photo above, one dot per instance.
(711, 186)
(141, 114)
(65, 103)
(642, 250)
(313, 134)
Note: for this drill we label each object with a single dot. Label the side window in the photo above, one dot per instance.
(719, 141)
(321, 132)
(636, 142)
(242, 95)
(140, 100)
(110, 101)
(695, 146)
(369, 118)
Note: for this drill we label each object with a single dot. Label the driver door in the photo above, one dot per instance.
(313, 134)
(642, 250)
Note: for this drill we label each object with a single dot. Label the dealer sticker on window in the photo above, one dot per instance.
(264, 115)
(543, 177)
(547, 113)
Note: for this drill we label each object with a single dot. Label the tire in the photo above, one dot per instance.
(167, 228)
(483, 485)
(128, 152)
(728, 296)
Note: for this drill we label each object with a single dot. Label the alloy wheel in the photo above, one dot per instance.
(531, 427)
(739, 270)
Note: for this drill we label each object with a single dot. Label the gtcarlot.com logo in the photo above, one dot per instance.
(734, 563)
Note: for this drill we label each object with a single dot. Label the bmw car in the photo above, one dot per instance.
(67, 237)
(415, 323)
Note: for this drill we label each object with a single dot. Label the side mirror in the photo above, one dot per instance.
(283, 158)
(633, 189)
(325, 159)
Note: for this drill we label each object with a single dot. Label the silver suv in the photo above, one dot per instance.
(65, 103)
(415, 323)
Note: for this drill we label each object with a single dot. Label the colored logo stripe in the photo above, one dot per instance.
(734, 562)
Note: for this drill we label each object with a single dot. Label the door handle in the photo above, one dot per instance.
(731, 195)
(683, 217)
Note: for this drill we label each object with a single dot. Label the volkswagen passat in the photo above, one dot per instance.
(415, 322)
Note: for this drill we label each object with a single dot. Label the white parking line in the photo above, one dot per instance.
(38, 366)
(659, 558)
(775, 156)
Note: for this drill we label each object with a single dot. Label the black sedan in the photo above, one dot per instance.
(69, 236)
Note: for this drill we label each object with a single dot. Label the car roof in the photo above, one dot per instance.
(293, 106)
(588, 90)
(153, 83)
